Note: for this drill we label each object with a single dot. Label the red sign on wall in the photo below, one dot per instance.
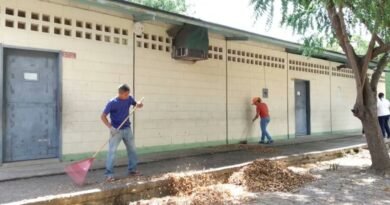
(71, 55)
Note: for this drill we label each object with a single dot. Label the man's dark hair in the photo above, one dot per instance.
(381, 95)
(124, 88)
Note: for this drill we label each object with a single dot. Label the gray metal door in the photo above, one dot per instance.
(31, 96)
(302, 108)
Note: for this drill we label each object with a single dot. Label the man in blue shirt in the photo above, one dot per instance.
(118, 109)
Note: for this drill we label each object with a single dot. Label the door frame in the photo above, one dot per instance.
(59, 55)
(308, 106)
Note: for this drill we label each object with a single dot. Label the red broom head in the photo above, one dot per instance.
(78, 171)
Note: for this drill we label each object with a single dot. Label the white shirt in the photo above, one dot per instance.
(383, 106)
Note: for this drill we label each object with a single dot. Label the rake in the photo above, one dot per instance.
(245, 132)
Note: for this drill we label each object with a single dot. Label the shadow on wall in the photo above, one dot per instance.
(248, 116)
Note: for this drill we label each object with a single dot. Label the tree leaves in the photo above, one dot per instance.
(310, 19)
(176, 6)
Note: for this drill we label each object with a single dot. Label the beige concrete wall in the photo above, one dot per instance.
(185, 101)
(88, 81)
(250, 69)
(315, 71)
(343, 99)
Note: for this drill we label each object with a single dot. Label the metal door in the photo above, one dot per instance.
(31, 108)
(302, 108)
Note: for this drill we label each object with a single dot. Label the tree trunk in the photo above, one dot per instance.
(378, 150)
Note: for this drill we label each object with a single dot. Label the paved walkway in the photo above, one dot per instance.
(38, 168)
(53, 181)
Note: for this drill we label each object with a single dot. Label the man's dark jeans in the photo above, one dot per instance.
(384, 123)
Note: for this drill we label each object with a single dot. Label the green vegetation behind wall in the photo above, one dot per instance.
(387, 85)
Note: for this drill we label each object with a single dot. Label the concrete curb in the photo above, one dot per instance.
(124, 193)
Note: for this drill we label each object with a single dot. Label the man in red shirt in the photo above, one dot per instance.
(262, 112)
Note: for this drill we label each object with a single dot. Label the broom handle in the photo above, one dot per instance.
(120, 126)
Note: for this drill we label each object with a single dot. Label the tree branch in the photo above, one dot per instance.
(368, 57)
(338, 25)
(344, 30)
(364, 21)
(381, 49)
(343, 66)
(379, 70)
(378, 39)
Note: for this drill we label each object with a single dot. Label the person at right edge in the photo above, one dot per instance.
(263, 113)
(383, 106)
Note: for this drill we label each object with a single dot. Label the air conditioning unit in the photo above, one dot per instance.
(190, 42)
(189, 54)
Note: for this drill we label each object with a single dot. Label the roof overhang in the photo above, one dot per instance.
(142, 13)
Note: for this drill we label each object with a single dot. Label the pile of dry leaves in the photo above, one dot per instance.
(259, 176)
(185, 185)
(266, 175)
(203, 189)
(210, 195)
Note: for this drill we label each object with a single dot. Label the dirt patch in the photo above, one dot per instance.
(346, 180)
(266, 175)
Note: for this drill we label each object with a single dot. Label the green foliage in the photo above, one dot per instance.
(310, 19)
(176, 6)
(387, 85)
(312, 45)
(374, 14)
(360, 44)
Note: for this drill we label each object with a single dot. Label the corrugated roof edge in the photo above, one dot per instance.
(290, 47)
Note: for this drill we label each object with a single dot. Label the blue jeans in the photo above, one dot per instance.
(127, 136)
(264, 133)
(384, 123)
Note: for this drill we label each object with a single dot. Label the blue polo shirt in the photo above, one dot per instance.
(118, 110)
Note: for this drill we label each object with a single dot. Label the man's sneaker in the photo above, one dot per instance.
(261, 142)
(134, 174)
(109, 179)
(270, 142)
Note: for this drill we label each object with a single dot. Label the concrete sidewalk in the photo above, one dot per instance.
(40, 168)
(206, 158)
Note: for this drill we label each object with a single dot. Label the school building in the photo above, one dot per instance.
(62, 60)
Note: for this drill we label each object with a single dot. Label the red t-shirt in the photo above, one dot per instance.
(262, 110)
